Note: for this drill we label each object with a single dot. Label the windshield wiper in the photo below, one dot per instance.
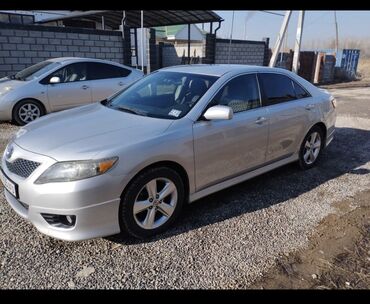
(128, 110)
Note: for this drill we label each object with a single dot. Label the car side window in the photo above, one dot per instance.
(71, 73)
(299, 91)
(241, 94)
(276, 88)
(97, 70)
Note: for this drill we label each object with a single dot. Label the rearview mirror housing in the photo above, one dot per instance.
(54, 80)
(219, 113)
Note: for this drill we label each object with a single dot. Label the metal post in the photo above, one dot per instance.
(298, 40)
(123, 23)
(142, 41)
(148, 68)
(189, 43)
(211, 27)
(336, 33)
(102, 23)
(231, 37)
(279, 39)
(136, 48)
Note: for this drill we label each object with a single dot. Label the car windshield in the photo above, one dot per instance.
(35, 71)
(163, 94)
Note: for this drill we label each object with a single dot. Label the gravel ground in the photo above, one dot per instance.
(227, 240)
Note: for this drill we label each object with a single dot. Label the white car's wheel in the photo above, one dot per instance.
(27, 111)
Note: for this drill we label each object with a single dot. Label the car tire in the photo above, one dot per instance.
(27, 111)
(158, 212)
(311, 148)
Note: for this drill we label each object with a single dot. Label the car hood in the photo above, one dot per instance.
(7, 85)
(84, 132)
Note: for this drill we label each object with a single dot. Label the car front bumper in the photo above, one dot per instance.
(94, 201)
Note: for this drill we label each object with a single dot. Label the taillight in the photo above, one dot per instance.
(334, 103)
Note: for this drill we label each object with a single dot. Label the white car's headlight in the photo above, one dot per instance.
(75, 170)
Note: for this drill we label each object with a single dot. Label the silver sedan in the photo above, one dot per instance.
(131, 162)
(58, 84)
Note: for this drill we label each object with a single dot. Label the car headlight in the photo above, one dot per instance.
(75, 170)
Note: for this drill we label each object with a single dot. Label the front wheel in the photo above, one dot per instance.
(26, 111)
(311, 148)
(152, 202)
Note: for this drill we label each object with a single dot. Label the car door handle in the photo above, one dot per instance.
(85, 87)
(261, 120)
(121, 83)
(309, 107)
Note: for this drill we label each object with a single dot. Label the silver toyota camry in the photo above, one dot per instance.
(58, 84)
(131, 162)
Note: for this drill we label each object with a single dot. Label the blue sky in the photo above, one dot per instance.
(317, 25)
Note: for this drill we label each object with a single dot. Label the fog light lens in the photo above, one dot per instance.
(69, 219)
(60, 221)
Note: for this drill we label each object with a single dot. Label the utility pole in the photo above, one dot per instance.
(231, 37)
(142, 40)
(279, 39)
(336, 33)
(298, 40)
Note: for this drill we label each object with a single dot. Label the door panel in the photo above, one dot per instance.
(103, 88)
(107, 79)
(227, 148)
(288, 121)
(67, 95)
(288, 117)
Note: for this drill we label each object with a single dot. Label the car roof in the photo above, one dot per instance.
(220, 69)
(77, 59)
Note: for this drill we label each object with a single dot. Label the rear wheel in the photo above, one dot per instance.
(27, 111)
(152, 202)
(311, 148)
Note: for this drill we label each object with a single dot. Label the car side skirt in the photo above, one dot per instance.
(241, 178)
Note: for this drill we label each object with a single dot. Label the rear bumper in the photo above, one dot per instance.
(329, 137)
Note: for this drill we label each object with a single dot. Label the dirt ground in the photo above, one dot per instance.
(338, 255)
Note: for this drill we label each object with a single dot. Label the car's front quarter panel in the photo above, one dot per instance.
(173, 145)
(30, 90)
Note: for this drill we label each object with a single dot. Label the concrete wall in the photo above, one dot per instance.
(173, 54)
(241, 52)
(24, 45)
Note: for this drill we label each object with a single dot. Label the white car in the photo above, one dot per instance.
(60, 83)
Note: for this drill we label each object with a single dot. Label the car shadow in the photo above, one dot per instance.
(349, 150)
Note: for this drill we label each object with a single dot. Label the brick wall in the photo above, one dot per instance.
(24, 45)
(241, 52)
(169, 56)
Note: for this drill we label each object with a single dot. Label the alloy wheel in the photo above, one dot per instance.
(29, 112)
(155, 203)
(312, 148)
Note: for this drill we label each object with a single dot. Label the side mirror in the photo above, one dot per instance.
(54, 80)
(219, 113)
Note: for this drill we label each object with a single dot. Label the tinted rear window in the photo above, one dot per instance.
(98, 70)
(277, 88)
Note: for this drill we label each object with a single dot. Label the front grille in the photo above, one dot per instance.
(22, 167)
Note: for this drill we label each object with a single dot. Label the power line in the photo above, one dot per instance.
(272, 13)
